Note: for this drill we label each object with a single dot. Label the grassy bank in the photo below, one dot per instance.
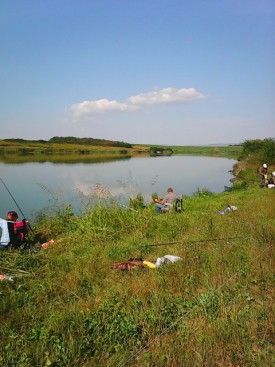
(217, 151)
(68, 307)
(229, 151)
(37, 151)
(33, 148)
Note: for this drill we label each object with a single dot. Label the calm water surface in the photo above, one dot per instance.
(36, 186)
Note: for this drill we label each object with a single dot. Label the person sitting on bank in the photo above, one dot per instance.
(271, 181)
(14, 234)
(166, 203)
(263, 174)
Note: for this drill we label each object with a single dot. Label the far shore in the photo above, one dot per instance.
(37, 151)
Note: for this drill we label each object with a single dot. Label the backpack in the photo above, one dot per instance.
(21, 229)
(18, 232)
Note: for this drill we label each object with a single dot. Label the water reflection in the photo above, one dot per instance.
(36, 185)
(62, 158)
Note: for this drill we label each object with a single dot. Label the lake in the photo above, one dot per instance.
(36, 186)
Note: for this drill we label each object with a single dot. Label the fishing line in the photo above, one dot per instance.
(127, 207)
(13, 198)
(195, 241)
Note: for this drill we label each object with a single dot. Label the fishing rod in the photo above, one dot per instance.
(196, 241)
(128, 207)
(15, 201)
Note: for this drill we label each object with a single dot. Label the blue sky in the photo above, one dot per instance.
(173, 72)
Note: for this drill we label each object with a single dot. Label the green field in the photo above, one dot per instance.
(218, 151)
(230, 151)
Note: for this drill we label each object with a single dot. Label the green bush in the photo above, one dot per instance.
(260, 150)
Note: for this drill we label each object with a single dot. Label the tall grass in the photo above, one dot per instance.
(68, 307)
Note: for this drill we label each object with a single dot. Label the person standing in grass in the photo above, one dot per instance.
(166, 203)
(263, 173)
(13, 233)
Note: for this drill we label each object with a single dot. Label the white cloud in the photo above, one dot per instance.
(166, 96)
(86, 108)
(157, 97)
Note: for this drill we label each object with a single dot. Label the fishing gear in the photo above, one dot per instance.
(15, 201)
(181, 243)
(196, 241)
(128, 207)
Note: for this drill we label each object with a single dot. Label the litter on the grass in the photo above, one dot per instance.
(141, 263)
(6, 277)
(47, 244)
(229, 208)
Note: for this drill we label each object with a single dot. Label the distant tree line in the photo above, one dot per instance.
(17, 140)
(259, 150)
(74, 140)
(89, 141)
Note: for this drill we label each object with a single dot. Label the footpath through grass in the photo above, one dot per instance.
(68, 307)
